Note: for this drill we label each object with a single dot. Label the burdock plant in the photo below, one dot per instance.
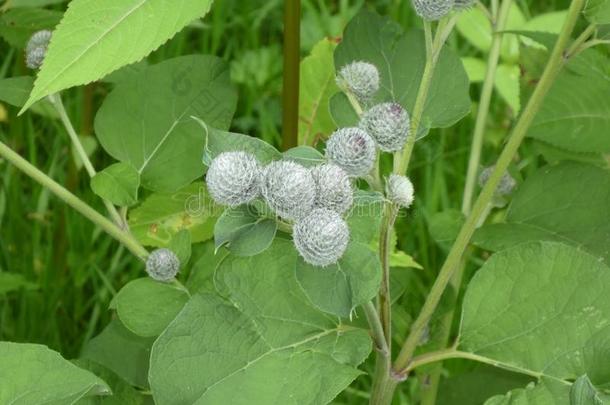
(305, 257)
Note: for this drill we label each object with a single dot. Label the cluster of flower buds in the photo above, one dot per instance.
(385, 125)
(36, 48)
(433, 10)
(314, 199)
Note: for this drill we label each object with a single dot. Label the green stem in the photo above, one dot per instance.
(108, 226)
(580, 41)
(290, 93)
(401, 159)
(384, 382)
(57, 103)
(554, 66)
(376, 329)
(486, 93)
(385, 300)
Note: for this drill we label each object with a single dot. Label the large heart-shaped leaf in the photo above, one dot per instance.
(546, 392)
(566, 203)
(262, 343)
(400, 58)
(148, 122)
(34, 374)
(540, 308)
(96, 37)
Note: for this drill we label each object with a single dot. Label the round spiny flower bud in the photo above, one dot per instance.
(333, 188)
(432, 10)
(289, 189)
(234, 178)
(321, 237)
(359, 78)
(36, 48)
(162, 265)
(460, 5)
(388, 124)
(507, 183)
(353, 150)
(399, 190)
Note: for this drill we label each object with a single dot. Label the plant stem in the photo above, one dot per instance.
(554, 66)
(57, 103)
(376, 329)
(385, 300)
(108, 226)
(401, 159)
(578, 43)
(384, 381)
(290, 92)
(488, 86)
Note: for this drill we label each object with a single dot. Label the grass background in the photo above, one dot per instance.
(74, 270)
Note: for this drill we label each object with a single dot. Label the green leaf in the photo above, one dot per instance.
(118, 183)
(317, 84)
(148, 122)
(398, 258)
(217, 142)
(201, 276)
(35, 374)
(364, 218)
(580, 126)
(445, 225)
(474, 387)
(584, 393)
(540, 308)
(95, 38)
(565, 203)
(305, 156)
(475, 69)
(122, 352)
(400, 58)
(342, 111)
(339, 288)
(161, 216)
(31, 3)
(263, 343)
(244, 231)
(122, 392)
(18, 25)
(146, 306)
(474, 25)
(546, 392)
(181, 245)
(14, 282)
(15, 90)
(598, 11)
